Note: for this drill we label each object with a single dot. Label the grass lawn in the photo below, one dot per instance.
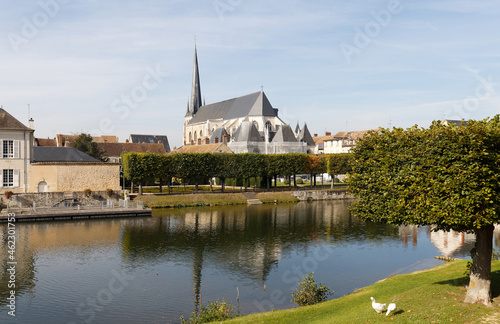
(430, 296)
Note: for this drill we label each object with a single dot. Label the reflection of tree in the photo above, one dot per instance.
(244, 241)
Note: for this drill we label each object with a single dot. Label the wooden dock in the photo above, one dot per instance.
(80, 214)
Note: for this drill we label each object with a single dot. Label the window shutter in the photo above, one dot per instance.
(16, 149)
(1, 178)
(16, 178)
(1, 152)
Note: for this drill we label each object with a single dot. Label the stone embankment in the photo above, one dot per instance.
(311, 195)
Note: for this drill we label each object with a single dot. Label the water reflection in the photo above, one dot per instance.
(179, 254)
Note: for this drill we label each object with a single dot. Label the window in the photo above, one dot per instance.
(8, 177)
(10, 149)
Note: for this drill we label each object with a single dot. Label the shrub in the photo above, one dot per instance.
(286, 182)
(300, 181)
(309, 293)
(214, 311)
(109, 192)
(8, 194)
(87, 192)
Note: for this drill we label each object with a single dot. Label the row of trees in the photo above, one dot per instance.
(199, 168)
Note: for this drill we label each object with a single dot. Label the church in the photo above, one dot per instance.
(246, 124)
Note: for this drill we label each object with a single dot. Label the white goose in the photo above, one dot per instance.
(390, 308)
(378, 307)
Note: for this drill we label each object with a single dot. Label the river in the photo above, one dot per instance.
(155, 269)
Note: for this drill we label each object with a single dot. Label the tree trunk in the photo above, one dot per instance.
(223, 184)
(479, 290)
(132, 187)
(333, 178)
(140, 188)
(161, 185)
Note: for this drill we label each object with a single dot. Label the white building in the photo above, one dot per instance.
(16, 143)
(342, 142)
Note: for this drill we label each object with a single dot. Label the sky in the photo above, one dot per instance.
(125, 67)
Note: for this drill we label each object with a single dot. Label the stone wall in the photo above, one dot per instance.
(308, 195)
(69, 177)
(53, 198)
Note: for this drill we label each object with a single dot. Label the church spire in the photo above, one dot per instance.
(195, 88)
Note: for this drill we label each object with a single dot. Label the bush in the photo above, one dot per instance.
(286, 181)
(87, 192)
(109, 192)
(8, 194)
(309, 292)
(214, 311)
(300, 181)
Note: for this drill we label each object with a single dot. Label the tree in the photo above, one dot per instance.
(338, 164)
(85, 143)
(446, 176)
(314, 166)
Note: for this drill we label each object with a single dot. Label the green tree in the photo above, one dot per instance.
(85, 143)
(338, 164)
(446, 176)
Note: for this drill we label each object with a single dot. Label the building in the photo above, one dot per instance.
(151, 139)
(319, 142)
(16, 142)
(113, 151)
(62, 140)
(248, 124)
(342, 142)
(65, 169)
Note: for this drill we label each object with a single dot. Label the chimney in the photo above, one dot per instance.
(315, 135)
(328, 133)
(31, 123)
(127, 141)
(224, 139)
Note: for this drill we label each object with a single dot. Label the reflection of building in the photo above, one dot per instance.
(452, 242)
(409, 230)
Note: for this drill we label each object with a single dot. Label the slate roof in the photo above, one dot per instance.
(305, 136)
(60, 154)
(219, 133)
(247, 132)
(254, 104)
(284, 134)
(8, 122)
(206, 148)
(116, 149)
(454, 121)
(152, 139)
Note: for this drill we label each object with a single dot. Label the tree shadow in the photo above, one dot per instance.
(464, 282)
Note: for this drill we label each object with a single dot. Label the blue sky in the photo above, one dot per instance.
(122, 67)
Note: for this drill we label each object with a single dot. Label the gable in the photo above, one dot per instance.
(8, 122)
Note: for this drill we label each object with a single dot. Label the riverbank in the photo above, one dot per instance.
(229, 199)
(211, 199)
(429, 296)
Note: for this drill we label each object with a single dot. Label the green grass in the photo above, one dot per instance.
(431, 296)
(280, 197)
(192, 200)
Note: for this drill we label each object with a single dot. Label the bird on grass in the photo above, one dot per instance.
(390, 308)
(378, 307)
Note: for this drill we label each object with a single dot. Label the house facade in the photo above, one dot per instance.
(343, 142)
(16, 143)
